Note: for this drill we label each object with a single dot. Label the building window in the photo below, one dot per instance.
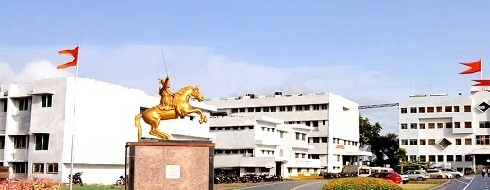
(482, 139)
(413, 126)
(404, 142)
(324, 106)
(2, 142)
(281, 134)
(273, 109)
(404, 126)
(449, 125)
(467, 124)
(430, 109)
(432, 141)
(324, 139)
(257, 109)
(42, 141)
(484, 124)
(468, 157)
(316, 107)
(413, 110)
(467, 141)
(234, 110)
(299, 108)
(19, 167)
(250, 110)
(4, 103)
(52, 168)
(20, 141)
(242, 110)
(440, 158)
(47, 100)
(315, 123)
(308, 123)
(265, 109)
(38, 168)
(403, 110)
(23, 104)
(290, 108)
(448, 109)
(467, 108)
(297, 136)
(422, 141)
(421, 125)
(432, 125)
(413, 141)
(313, 156)
(303, 137)
(438, 109)
(307, 107)
(459, 158)
(458, 141)
(456, 109)
(338, 158)
(432, 158)
(456, 125)
(449, 158)
(422, 158)
(440, 125)
(413, 157)
(282, 108)
(421, 109)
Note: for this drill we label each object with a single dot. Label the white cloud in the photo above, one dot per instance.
(31, 71)
(139, 66)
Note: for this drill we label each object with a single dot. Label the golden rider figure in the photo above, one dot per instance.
(166, 95)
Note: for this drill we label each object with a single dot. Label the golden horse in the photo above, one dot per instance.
(154, 115)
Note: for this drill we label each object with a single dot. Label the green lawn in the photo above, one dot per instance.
(422, 185)
(419, 186)
(93, 187)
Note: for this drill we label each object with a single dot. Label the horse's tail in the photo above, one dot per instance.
(138, 124)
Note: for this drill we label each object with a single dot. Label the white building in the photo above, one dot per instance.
(37, 121)
(332, 127)
(448, 131)
(260, 144)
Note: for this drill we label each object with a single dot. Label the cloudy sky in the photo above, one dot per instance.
(368, 52)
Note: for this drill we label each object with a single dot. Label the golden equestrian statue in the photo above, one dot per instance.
(171, 106)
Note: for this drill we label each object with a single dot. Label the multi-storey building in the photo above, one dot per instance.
(331, 119)
(260, 144)
(38, 120)
(448, 131)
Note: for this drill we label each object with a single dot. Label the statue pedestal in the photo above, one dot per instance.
(159, 164)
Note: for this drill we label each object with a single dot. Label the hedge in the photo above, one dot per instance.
(29, 184)
(360, 183)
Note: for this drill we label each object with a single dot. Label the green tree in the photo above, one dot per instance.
(385, 148)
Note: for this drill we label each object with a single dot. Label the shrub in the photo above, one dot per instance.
(29, 184)
(365, 183)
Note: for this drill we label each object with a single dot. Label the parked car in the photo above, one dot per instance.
(393, 176)
(454, 172)
(448, 174)
(418, 175)
(405, 178)
(436, 173)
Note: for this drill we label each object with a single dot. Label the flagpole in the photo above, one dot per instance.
(481, 71)
(74, 118)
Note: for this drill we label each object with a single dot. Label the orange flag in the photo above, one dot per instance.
(474, 67)
(72, 52)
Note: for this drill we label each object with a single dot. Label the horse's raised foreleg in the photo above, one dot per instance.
(203, 119)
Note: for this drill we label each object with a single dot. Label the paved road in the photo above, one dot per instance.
(289, 185)
(468, 183)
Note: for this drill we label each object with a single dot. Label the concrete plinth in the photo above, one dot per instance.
(152, 164)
